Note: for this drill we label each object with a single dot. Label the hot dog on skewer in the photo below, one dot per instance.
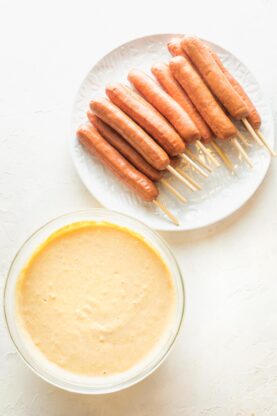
(202, 98)
(120, 167)
(137, 96)
(253, 120)
(163, 74)
(175, 48)
(134, 134)
(220, 86)
(253, 116)
(135, 158)
(174, 113)
(124, 148)
(147, 117)
(112, 159)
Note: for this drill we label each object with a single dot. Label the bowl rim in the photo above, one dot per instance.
(156, 362)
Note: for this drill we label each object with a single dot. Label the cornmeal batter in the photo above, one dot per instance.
(95, 298)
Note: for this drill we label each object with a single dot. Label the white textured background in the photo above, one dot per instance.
(225, 362)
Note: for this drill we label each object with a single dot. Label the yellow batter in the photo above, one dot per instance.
(95, 298)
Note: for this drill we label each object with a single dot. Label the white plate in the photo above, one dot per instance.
(222, 193)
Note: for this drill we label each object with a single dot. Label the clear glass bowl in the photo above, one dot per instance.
(66, 380)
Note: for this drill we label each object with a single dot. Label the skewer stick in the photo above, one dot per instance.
(242, 138)
(174, 191)
(262, 138)
(184, 156)
(198, 160)
(207, 153)
(228, 163)
(189, 178)
(181, 178)
(243, 152)
(252, 131)
(166, 211)
(259, 137)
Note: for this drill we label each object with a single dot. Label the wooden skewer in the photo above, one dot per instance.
(262, 138)
(243, 152)
(251, 131)
(192, 163)
(258, 136)
(166, 211)
(217, 163)
(197, 159)
(189, 178)
(181, 178)
(206, 151)
(228, 163)
(242, 138)
(174, 191)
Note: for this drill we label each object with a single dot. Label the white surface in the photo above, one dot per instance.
(222, 193)
(225, 362)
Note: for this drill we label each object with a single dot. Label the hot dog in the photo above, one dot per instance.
(202, 98)
(220, 86)
(114, 161)
(139, 97)
(134, 134)
(163, 74)
(175, 48)
(253, 117)
(147, 117)
(124, 148)
(164, 104)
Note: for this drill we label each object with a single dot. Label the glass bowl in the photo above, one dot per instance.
(59, 377)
